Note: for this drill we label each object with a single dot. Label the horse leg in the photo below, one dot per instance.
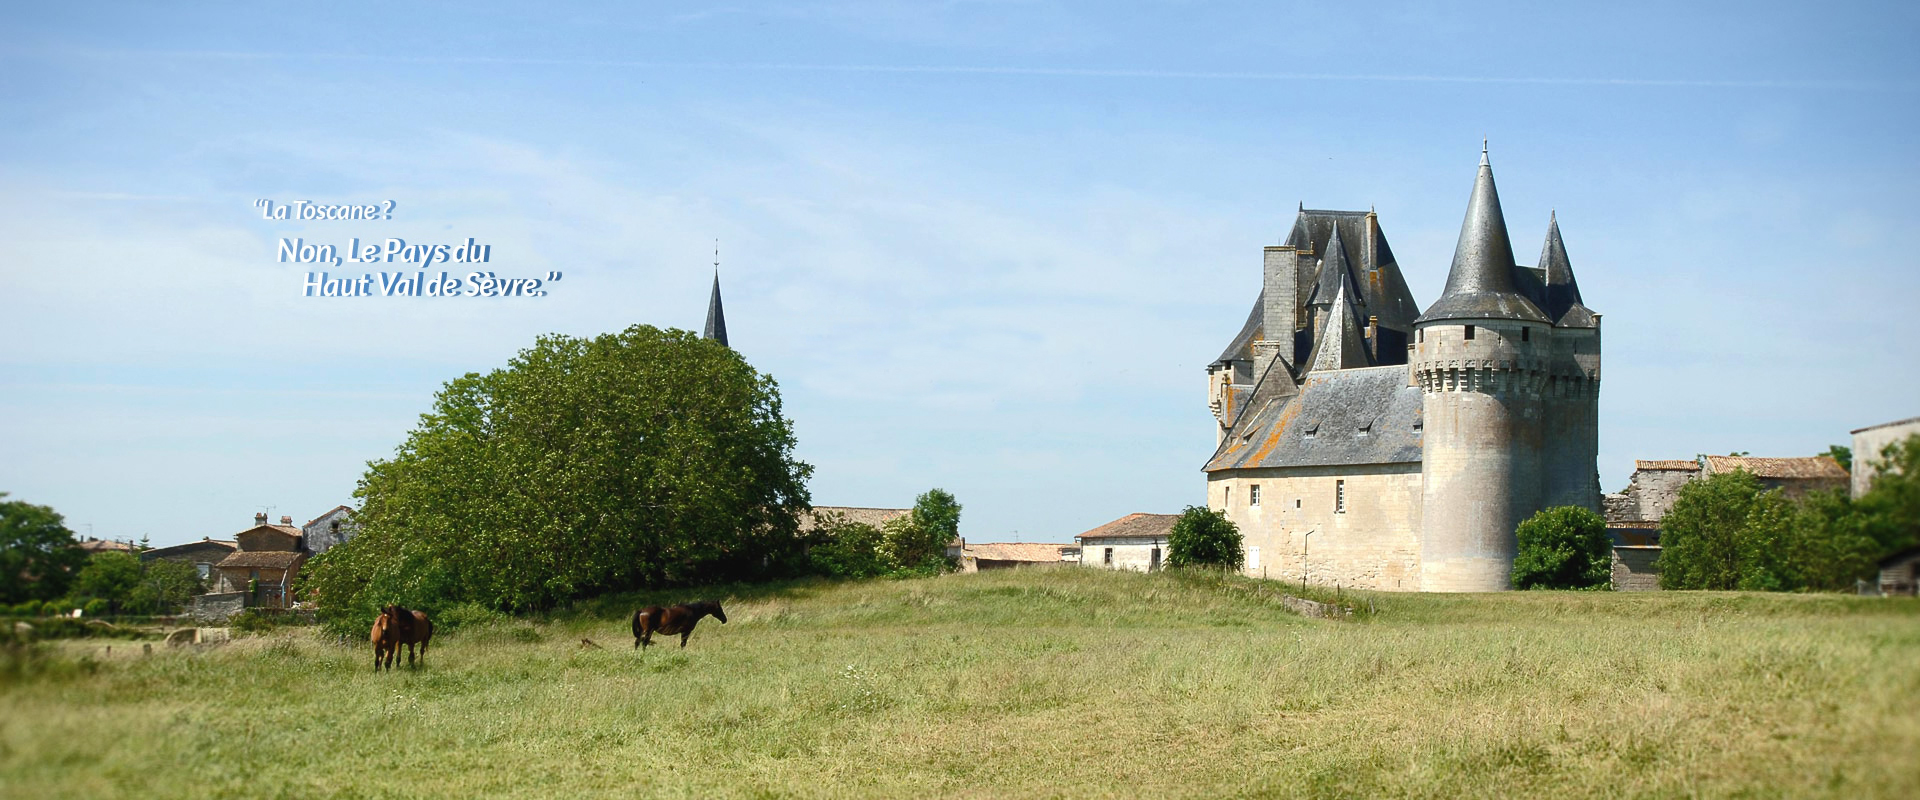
(683, 639)
(409, 655)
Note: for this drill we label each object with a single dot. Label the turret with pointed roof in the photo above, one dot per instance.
(1480, 284)
(1563, 293)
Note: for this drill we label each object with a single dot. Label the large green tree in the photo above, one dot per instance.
(1890, 508)
(108, 576)
(1726, 531)
(38, 555)
(1564, 547)
(1204, 537)
(165, 587)
(918, 541)
(629, 460)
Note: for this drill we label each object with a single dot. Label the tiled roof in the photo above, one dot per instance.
(1134, 525)
(105, 546)
(203, 544)
(272, 559)
(1037, 552)
(870, 516)
(1798, 468)
(1682, 464)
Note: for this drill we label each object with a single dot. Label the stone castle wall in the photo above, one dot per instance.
(1371, 544)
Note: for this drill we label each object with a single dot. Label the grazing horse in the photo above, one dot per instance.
(669, 621)
(397, 626)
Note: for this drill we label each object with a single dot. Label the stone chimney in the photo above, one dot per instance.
(260, 518)
(286, 520)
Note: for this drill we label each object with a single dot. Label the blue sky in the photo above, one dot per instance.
(986, 246)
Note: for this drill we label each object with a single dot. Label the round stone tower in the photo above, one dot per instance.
(1481, 357)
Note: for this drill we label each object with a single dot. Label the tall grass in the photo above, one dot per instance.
(1058, 683)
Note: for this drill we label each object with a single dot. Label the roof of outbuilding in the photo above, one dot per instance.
(1036, 552)
(1675, 464)
(189, 547)
(1133, 525)
(868, 516)
(1907, 421)
(1788, 468)
(274, 559)
(1338, 418)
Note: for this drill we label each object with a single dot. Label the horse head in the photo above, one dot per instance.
(713, 608)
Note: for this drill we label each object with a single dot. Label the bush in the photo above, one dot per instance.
(1565, 547)
(847, 550)
(95, 608)
(1204, 537)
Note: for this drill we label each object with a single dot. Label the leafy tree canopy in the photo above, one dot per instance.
(1840, 453)
(108, 576)
(165, 586)
(1726, 532)
(630, 460)
(1565, 547)
(918, 541)
(37, 553)
(1204, 537)
(1890, 508)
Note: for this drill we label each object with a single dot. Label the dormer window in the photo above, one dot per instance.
(1313, 430)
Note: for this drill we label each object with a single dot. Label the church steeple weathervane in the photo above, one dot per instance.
(716, 318)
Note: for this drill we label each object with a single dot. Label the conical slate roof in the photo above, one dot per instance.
(716, 318)
(1563, 293)
(1480, 284)
(1341, 345)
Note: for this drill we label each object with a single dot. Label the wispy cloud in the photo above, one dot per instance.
(991, 70)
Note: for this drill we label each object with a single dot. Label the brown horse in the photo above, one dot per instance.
(397, 626)
(669, 621)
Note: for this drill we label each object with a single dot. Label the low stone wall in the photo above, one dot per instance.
(1636, 568)
(218, 607)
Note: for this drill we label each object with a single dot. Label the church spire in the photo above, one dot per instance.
(1341, 344)
(716, 318)
(1563, 293)
(1480, 284)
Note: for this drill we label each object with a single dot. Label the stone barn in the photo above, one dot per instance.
(1900, 573)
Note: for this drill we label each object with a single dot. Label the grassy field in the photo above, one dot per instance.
(1063, 683)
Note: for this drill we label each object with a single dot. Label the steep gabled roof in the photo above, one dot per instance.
(330, 512)
(1562, 291)
(1241, 348)
(1382, 289)
(1341, 344)
(1480, 285)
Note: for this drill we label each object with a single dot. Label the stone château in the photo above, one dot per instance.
(1364, 442)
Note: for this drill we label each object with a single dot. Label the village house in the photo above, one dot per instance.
(1900, 573)
(1869, 442)
(334, 527)
(1135, 542)
(259, 573)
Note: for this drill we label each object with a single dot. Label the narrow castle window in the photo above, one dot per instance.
(1339, 497)
(1296, 502)
(1253, 495)
(1469, 333)
(1526, 334)
(1227, 500)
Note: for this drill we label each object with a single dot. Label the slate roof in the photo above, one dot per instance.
(1133, 525)
(1481, 283)
(1562, 291)
(257, 559)
(1341, 345)
(1339, 418)
(1383, 289)
(1241, 348)
(716, 318)
(1812, 467)
(1677, 464)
